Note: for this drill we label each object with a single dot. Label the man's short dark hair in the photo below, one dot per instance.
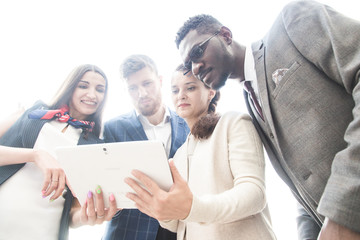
(135, 63)
(203, 24)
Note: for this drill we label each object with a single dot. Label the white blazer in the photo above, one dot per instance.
(226, 176)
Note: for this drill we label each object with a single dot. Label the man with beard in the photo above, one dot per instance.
(302, 83)
(150, 120)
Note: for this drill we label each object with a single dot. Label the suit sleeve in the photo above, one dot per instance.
(308, 229)
(336, 52)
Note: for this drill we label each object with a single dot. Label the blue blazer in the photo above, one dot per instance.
(131, 223)
(23, 133)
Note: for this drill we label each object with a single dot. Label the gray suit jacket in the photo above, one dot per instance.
(312, 116)
(23, 133)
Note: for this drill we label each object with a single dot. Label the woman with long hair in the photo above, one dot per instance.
(29, 172)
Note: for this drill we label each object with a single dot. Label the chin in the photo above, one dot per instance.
(147, 111)
(86, 114)
(219, 84)
(182, 113)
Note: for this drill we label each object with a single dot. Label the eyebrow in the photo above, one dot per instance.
(97, 85)
(188, 83)
(188, 55)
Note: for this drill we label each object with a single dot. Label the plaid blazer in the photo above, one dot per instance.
(131, 223)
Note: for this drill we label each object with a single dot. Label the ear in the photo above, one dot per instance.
(212, 93)
(226, 34)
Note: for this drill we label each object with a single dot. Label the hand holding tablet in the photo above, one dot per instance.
(108, 164)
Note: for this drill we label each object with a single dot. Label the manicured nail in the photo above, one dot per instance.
(89, 194)
(112, 198)
(98, 189)
(51, 200)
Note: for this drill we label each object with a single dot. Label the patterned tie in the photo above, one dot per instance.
(62, 115)
(250, 90)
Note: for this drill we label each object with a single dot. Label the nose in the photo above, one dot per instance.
(181, 95)
(142, 92)
(196, 68)
(91, 93)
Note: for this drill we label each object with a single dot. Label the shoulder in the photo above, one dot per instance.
(39, 104)
(234, 123)
(233, 116)
(176, 119)
(302, 9)
(300, 5)
(174, 115)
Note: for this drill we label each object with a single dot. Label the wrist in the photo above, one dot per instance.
(34, 155)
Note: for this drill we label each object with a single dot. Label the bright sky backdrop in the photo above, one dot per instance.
(43, 40)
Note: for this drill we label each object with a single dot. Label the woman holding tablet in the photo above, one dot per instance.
(219, 188)
(31, 181)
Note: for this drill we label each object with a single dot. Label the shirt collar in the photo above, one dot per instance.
(144, 120)
(249, 65)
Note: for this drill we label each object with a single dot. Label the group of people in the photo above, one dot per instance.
(301, 86)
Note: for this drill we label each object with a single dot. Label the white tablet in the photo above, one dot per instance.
(108, 164)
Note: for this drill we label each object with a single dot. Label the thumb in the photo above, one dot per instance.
(174, 171)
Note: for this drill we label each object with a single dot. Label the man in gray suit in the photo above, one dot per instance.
(303, 92)
(150, 119)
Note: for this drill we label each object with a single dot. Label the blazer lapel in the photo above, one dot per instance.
(91, 139)
(259, 58)
(134, 130)
(179, 132)
(273, 152)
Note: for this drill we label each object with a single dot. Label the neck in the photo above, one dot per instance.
(157, 118)
(239, 53)
(192, 120)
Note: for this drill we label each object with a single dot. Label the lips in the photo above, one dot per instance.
(145, 101)
(87, 102)
(182, 105)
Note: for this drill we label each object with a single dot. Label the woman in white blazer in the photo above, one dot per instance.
(219, 188)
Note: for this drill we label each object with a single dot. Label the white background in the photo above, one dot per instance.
(43, 40)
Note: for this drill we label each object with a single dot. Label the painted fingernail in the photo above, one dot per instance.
(98, 189)
(112, 198)
(89, 194)
(51, 200)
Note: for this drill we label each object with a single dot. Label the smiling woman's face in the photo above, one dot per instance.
(88, 96)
